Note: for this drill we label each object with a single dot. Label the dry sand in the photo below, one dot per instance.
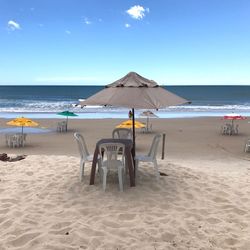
(202, 203)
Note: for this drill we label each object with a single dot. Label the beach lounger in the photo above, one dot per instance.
(150, 157)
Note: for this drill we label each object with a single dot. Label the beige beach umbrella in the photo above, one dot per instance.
(135, 92)
(148, 113)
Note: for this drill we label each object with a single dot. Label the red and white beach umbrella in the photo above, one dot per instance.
(233, 117)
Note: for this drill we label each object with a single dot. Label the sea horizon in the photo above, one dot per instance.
(41, 101)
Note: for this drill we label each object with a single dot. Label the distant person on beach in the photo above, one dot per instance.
(130, 115)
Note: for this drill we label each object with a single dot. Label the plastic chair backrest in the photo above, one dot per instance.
(83, 150)
(154, 146)
(122, 133)
(110, 151)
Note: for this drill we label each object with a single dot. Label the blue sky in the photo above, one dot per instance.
(93, 42)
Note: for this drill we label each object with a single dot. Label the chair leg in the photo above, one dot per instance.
(136, 167)
(120, 178)
(156, 169)
(104, 177)
(82, 163)
(100, 168)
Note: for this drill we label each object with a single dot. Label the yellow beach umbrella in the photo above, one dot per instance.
(129, 124)
(22, 122)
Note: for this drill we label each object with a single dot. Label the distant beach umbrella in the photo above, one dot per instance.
(233, 117)
(148, 114)
(67, 114)
(129, 124)
(134, 92)
(22, 122)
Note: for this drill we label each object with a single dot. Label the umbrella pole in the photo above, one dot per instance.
(22, 130)
(133, 123)
(147, 123)
(67, 123)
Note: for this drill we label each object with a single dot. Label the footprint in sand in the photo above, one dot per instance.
(29, 173)
(126, 216)
(23, 239)
(111, 224)
(239, 211)
(61, 225)
(231, 241)
(6, 224)
(4, 211)
(168, 236)
(220, 200)
(213, 220)
(62, 231)
(188, 195)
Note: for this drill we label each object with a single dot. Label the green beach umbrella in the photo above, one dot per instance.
(67, 114)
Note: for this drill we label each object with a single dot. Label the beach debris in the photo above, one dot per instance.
(5, 157)
(163, 174)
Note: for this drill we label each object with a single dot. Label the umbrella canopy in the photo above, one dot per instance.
(234, 116)
(22, 122)
(67, 114)
(129, 124)
(136, 92)
(148, 113)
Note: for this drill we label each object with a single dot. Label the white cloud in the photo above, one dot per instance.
(68, 32)
(13, 25)
(137, 12)
(86, 21)
(127, 25)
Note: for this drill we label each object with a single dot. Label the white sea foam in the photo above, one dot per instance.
(48, 109)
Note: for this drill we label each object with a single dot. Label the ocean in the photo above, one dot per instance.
(47, 101)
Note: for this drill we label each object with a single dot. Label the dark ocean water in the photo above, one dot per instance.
(45, 101)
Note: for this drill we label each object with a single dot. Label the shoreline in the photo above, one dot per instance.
(121, 115)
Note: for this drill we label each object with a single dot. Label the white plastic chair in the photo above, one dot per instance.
(247, 146)
(109, 160)
(122, 133)
(15, 140)
(151, 156)
(61, 126)
(21, 138)
(84, 153)
(236, 129)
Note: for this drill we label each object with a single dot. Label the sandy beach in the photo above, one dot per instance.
(202, 203)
